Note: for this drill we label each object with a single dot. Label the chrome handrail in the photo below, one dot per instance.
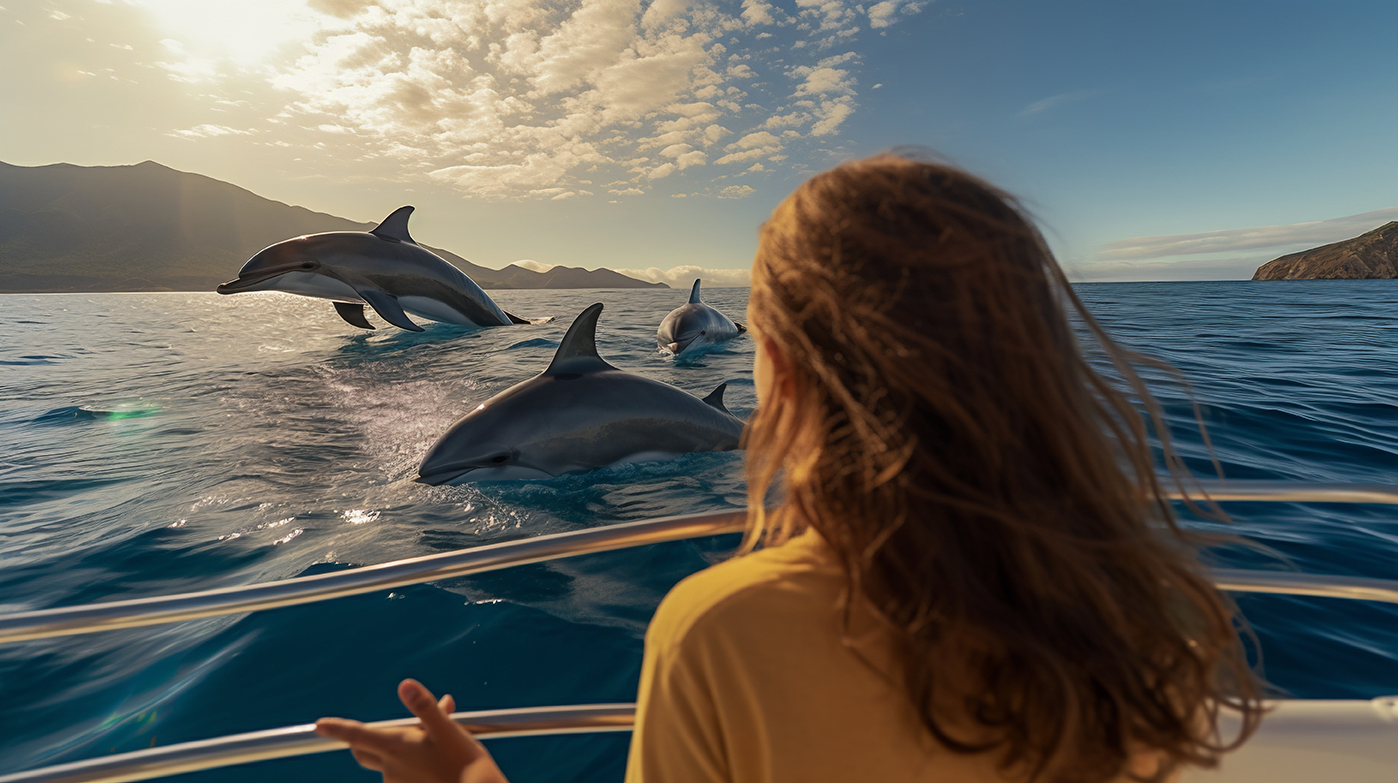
(1354, 588)
(302, 740)
(156, 610)
(67, 621)
(1296, 492)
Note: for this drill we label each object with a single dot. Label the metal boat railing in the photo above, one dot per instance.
(301, 740)
(157, 610)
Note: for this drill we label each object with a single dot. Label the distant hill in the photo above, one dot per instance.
(1370, 256)
(150, 228)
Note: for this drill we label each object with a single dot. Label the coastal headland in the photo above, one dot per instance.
(148, 227)
(1370, 256)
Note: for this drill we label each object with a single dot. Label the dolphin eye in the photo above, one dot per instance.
(308, 265)
(703, 331)
(501, 458)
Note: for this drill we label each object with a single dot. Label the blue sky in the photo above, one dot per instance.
(1153, 140)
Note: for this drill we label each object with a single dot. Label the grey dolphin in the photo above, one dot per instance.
(694, 326)
(579, 414)
(383, 268)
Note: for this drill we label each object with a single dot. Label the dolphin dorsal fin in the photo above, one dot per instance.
(394, 228)
(694, 293)
(715, 398)
(578, 352)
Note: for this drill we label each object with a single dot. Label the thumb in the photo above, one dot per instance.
(420, 702)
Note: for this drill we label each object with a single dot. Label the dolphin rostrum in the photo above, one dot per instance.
(579, 414)
(694, 326)
(383, 268)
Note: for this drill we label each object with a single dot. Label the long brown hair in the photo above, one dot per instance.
(991, 498)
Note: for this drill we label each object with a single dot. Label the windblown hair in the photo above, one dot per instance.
(992, 498)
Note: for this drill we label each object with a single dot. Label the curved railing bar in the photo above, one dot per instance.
(67, 621)
(302, 740)
(156, 610)
(1296, 492)
(1355, 588)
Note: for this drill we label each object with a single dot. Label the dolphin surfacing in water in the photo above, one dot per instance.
(695, 326)
(578, 415)
(383, 268)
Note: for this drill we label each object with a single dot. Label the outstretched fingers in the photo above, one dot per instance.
(435, 715)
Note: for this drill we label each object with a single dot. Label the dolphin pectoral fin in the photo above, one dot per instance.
(694, 293)
(578, 352)
(388, 308)
(515, 319)
(715, 398)
(394, 228)
(741, 328)
(353, 314)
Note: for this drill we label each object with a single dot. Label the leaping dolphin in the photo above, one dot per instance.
(694, 326)
(579, 414)
(383, 268)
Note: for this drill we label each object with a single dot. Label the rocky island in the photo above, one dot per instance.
(148, 227)
(1369, 256)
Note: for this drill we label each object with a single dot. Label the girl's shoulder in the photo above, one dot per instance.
(796, 578)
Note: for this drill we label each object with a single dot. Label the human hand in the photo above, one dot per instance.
(436, 751)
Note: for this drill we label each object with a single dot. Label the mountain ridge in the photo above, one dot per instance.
(1372, 255)
(66, 228)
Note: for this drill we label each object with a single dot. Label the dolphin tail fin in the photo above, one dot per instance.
(394, 228)
(516, 319)
(715, 398)
(388, 308)
(353, 314)
(578, 352)
(694, 293)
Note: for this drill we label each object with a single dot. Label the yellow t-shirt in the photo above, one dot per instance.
(747, 678)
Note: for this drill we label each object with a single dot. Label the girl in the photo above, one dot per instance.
(971, 575)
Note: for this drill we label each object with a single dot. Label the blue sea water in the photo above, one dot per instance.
(159, 443)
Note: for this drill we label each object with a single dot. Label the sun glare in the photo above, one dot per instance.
(248, 32)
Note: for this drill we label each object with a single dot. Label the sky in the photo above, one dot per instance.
(1151, 140)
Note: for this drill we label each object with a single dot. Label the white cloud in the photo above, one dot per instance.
(743, 157)
(534, 266)
(832, 113)
(756, 12)
(825, 77)
(757, 139)
(736, 191)
(1045, 104)
(1121, 272)
(1278, 237)
(208, 131)
(525, 98)
(885, 14)
(683, 276)
(695, 158)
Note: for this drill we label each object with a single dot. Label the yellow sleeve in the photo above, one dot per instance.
(677, 738)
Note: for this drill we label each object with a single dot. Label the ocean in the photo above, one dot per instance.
(162, 443)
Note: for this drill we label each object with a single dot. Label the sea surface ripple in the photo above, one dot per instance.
(160, 443)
